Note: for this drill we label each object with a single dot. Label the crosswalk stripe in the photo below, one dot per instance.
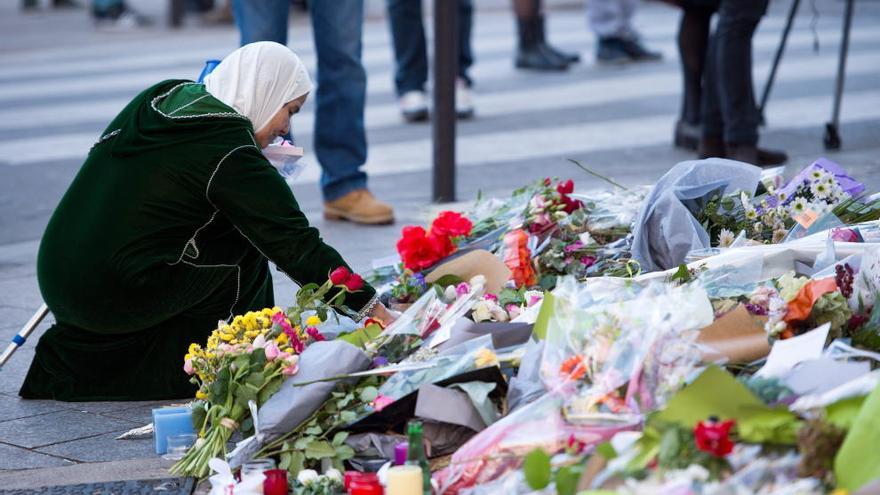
(118, 77)
(613, 88)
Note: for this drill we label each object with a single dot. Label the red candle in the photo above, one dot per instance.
(275, 482)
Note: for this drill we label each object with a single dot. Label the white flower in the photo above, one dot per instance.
(820, 190)
(744, 199)
(759, 227)
(482, 311)
(587, 239)
(798, 206)
(817, 174)
(478, 280)
(449, 293)
(307, 476)
(259, 342)
(498, 314)
(751, 213)
(333, 474)
(725, 238)
(782, 196)
(778, 236)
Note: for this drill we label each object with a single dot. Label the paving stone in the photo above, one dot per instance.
(12, 375)
(102, 448)
(141, 414)
(56, 427)
(15, 407)
(16, 458)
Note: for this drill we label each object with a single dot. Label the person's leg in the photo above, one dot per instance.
(711, 143)
(737, 22)
(261, 20)
(531, 52)
(693, 41)
(410, 50)
(465, 28)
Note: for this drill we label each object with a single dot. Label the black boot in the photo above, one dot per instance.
(529, 54)
(570, 58)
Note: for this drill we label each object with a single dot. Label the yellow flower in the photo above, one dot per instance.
(840, 491)
(313, 321)
(485, 358)
(201, 395)
(226, 337)
(282, 339)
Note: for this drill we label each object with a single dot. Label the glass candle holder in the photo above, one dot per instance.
(256, 466)
(275, 482)
(177, 445)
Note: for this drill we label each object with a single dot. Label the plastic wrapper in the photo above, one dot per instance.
(666, 229)
(500, 448)
(455, 361)
(284, 156)
(613, 208)
(646, 342)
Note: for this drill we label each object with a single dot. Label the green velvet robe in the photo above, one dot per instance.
(165, 230)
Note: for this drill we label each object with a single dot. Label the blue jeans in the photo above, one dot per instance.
(410, 50)
(729, 109)
(340, 137)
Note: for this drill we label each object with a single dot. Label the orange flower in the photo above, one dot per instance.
(518, 258)
(800, 307)
(574, 367)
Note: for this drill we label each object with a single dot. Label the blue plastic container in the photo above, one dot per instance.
(209, 67)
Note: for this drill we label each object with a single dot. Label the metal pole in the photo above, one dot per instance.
(832, 134)
(777, 58)
(24, 333)
(175, 13)
(443, 122)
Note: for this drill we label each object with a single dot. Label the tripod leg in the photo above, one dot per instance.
(777, 58)
(832, 134)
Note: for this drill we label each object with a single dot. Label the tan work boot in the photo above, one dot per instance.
(359, 206)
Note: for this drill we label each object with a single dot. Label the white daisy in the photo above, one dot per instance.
(798, 206)
(751, 213)
(758, 227)
(817, 174)
(820, 190)
(778, 236)
(782, 196)
(725, 238)
(744, 199)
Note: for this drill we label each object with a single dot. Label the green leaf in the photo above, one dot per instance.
(682, 275)
(447, 280)
(258, 359)
(362, 336)
(255, 378)
(284, 461)
(369, 394)
(314, 430)
(297, 462)
(347, 417)
(540, 328)
(344, 452)
(339, 438)
(567, 480)
(606, 450)
(301, 442)
(537, 469)
(319, 449)
(269, 390)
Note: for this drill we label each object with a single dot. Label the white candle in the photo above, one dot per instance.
(404, 480)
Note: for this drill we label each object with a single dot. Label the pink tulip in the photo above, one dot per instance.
(188, 367)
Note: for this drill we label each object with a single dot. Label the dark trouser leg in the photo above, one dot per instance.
(465, 26)
(693, 42)
(737, 22)
(410, 52)
(261, 20)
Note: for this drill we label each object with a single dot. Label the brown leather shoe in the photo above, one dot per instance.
(359, 206)
(711, 147)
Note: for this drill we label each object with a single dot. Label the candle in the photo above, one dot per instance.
(404, 480)
(168, 422)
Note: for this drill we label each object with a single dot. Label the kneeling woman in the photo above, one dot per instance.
(169, 226)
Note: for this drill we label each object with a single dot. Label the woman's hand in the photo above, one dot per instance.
(383, 314)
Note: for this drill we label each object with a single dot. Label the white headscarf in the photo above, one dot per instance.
(258, 79)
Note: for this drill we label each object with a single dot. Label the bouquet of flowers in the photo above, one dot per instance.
(819, 190)
(247, 360)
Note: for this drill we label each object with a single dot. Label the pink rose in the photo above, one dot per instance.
(381, 402)
(188, 367)
(272, 351)
(462, 289)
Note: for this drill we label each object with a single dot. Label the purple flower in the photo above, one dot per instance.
(462, 289)
(379, 362)
(756, 310)
(574, 246)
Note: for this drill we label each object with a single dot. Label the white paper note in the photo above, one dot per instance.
(785, 354)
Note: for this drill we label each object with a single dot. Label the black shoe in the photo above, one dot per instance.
(749, 153)
(687, 136)
(610, 51)
(638, 52)
(711, 147)
(66, 4)
(531, 54)
(570, 58)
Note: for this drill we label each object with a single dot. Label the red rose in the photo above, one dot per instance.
(571, 204)
(566, 187)
(354, 283)
(714, 437)
(451, 224)
(416, 250)
(441, 244)
(547, 181)
(339, 275)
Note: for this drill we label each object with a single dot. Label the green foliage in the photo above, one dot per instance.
(537, 469)
(447, 280)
